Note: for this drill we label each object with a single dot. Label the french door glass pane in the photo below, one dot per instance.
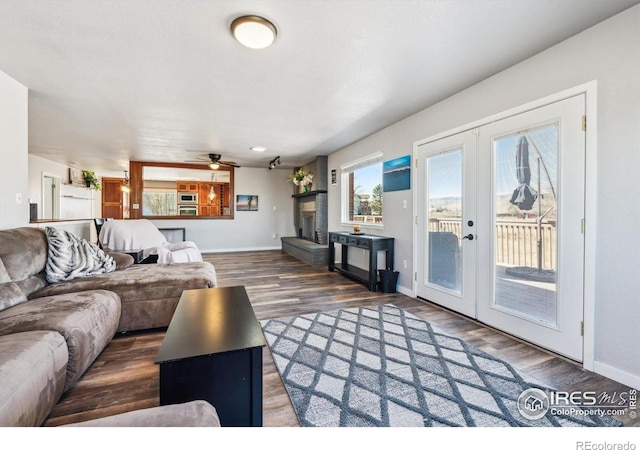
(444, 206)
(525, 223)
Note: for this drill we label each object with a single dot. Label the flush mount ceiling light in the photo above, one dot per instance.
(258, 149)
(253, 31)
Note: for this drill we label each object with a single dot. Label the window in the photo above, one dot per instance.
(159, 202)
(362, 191)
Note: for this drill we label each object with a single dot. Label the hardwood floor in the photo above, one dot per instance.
(124, 377)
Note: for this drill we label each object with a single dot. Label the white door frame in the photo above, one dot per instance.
(55, 207)
(589, 89)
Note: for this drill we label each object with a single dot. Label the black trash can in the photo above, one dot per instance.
(388, 280)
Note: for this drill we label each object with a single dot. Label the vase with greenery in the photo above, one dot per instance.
(91, 180)
(299, 178)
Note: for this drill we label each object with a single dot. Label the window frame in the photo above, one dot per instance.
(345, 170)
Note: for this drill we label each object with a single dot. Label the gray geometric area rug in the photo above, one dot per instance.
(381, 366)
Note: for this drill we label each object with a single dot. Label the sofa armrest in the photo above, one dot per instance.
(197, 413)
(122, 260)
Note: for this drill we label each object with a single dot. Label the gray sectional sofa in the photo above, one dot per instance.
(51, 333)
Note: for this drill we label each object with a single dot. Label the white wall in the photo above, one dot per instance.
(14, 141)
(609, 53)
(81, 228)
(249, 230)
(72, 202)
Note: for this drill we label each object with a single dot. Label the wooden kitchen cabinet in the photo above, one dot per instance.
(206, 205)
(187, 186)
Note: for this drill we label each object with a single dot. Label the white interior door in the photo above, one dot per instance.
(531, 253)
(446, 220)
(516, 186)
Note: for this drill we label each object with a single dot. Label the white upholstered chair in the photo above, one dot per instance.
(142, 234)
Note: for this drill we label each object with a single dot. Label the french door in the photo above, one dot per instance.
(500, 212)
(446, 218)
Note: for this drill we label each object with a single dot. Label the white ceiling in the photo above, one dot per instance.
(113, 81)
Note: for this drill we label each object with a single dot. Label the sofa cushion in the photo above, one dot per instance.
(32, 283)
(10, 295)
(141, 281)
(33, 370)
(197, 413)
(23, 252)
(149, 292)
(87, 320)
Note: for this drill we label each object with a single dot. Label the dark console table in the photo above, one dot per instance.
(364, 241)
(213, 351)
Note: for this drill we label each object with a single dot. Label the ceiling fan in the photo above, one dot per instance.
(215, 162)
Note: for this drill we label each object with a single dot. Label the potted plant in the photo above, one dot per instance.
(90, 180)
(299, 178)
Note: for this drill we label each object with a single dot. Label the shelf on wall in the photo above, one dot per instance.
(76, 197)
(309, 194)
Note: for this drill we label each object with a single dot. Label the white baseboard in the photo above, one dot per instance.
(626, 378)
(406, 291)
(244, 249)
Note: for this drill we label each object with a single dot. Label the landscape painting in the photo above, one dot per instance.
(246, 202)
(396, 174)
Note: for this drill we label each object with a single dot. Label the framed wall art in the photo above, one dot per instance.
(396, 174)
(246, 202)
(75, 177)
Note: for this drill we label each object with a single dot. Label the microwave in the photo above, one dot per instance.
(187, 210)
(187, 198)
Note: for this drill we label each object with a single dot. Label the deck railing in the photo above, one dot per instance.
(516, 240)
(367, 218)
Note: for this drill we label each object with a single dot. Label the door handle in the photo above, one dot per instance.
(469, 236)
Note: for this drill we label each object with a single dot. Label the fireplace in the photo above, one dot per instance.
(308, 230)
(307, 220)
(310, 218)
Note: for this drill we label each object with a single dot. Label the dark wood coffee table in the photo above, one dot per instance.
(213, 351)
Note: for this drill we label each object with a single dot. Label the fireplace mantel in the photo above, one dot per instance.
(308, 194)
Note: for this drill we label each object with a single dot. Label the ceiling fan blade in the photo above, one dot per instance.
(213, 158)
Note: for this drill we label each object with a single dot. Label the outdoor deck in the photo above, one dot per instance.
(532, 298)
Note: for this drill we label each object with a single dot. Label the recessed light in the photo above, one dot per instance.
(258, 149)
(253, 31)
